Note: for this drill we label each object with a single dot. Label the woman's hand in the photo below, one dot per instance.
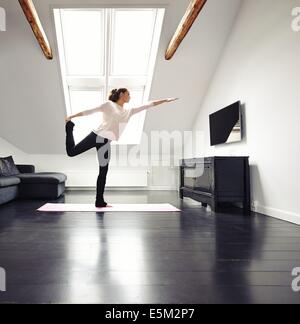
(171, 99)
(69, 118)
(159, 102)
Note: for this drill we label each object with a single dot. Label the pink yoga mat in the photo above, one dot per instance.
(114, 208)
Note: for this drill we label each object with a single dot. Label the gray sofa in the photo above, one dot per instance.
(31, 185)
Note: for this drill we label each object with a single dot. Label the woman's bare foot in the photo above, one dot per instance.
(69, 126)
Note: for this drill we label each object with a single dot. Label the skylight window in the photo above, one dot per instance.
(102, 49)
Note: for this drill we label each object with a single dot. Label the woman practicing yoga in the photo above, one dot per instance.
(115, 118)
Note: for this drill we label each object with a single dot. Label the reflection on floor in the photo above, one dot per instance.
(194, 256)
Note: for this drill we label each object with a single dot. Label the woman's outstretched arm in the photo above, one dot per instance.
(88, 112)
(152, 104)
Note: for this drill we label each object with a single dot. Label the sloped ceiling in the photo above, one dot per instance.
(32, 107)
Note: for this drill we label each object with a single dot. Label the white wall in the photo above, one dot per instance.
(7, 149)
(260, 66)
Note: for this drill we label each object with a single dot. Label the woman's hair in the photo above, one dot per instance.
(116, 93)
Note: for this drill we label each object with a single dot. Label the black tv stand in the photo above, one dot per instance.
(216, 180)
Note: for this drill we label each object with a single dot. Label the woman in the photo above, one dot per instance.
(115, 118)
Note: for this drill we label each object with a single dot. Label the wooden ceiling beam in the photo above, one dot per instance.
(37, 28)
(185, 25)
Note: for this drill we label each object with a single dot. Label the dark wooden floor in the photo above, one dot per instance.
(190, 257)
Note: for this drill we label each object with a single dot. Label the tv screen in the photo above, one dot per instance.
(226, 125)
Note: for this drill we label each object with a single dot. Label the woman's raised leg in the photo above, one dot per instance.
(85, 145)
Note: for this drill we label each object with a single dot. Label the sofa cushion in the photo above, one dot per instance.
(42, 177)
(26, 168)
(8, 194)
(8, 167)
(9, 181)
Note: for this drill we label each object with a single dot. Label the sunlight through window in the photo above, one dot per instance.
(132, 42)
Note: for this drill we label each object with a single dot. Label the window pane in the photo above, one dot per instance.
(83, 35)
(83, 100)
(132, 40)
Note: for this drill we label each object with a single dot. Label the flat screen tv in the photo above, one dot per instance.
(226, 125)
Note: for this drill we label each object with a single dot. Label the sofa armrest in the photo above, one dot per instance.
(26, 168)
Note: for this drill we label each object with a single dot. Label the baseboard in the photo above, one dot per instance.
(162, 188)
(279, 214)
(123, 189)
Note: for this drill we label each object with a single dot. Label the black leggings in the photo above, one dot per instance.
(103, 150)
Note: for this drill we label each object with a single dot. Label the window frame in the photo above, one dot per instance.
(109, 81)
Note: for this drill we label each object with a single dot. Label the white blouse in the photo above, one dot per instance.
(115, 118)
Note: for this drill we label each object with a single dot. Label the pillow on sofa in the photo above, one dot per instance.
(8, 167)
(3, 167)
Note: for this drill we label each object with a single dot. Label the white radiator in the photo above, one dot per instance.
(115, 178)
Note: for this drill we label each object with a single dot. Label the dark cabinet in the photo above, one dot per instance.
(214, 180)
